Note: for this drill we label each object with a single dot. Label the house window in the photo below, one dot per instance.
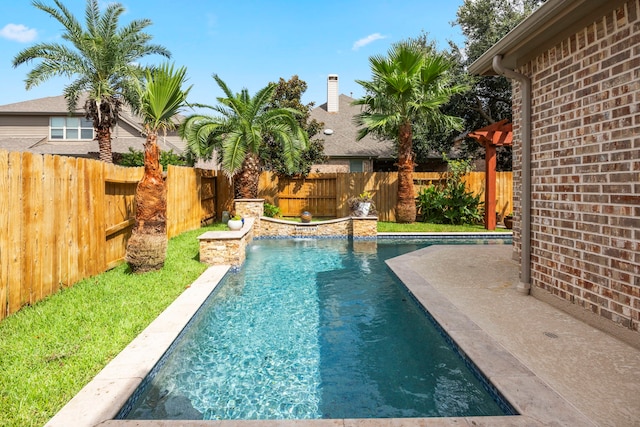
(356, 166)
(71, 128)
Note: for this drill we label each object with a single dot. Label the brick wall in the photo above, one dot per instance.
(585, 167)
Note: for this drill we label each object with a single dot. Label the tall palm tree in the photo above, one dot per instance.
(162, 97)
(408, 85)
(102, 59)
(239, 131)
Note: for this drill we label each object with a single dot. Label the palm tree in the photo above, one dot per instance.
(102, 58)
(408, 85)
(239, 131)
(161, 98)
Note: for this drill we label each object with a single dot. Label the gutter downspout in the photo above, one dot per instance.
(524, 286)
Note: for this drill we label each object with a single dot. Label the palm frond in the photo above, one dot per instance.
(163, 96)
(92, 13)
(72, 93)
(244, 123)
(63, 16)
(407, 84)
(234, 151)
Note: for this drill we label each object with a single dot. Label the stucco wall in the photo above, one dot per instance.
(340, 165)
(585, 167)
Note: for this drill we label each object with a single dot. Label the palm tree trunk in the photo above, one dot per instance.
(245, 182)
(146, 249)
(151, 193)
(406, 203)
(104, 143)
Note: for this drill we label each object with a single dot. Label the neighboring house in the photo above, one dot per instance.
(344, 153)
(45, 126)
(575, 68)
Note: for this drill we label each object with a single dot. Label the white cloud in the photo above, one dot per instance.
(18, 32)
(369, 39)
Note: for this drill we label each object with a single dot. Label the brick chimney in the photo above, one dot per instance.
(332, 93)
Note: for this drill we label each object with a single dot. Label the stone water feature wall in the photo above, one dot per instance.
(229, 247)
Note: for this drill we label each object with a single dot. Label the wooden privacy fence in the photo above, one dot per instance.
(326, 195)
(63, 219)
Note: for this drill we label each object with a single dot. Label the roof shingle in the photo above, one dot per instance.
(342, 142)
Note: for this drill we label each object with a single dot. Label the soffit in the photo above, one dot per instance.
(551, 23)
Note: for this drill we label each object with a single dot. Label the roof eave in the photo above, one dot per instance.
(551, 22)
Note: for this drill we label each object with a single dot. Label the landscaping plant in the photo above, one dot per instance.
(135, 158)
(409, 84)
(271, 211)
(449, 201)
(237, 131)
(161, 98)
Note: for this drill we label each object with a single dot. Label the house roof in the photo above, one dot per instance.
(553, 21)
(41, 106)
(57, 105)
(342, 142)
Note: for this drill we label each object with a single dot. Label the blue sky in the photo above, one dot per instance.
(247, 43)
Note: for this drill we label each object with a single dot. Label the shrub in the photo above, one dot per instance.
(136, 158)
(271, 211)
(449, 202)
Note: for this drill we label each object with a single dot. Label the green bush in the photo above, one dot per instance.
(136, 158)
(271, 211)
(449, 201)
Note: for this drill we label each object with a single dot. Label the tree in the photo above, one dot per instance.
(161, 99)
(428, 139)
(288, 94)
(484, 23)
(103, 59)
(409, 84)
(238, 133)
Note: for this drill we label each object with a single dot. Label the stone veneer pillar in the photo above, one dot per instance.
(364, 227)
(250, 208)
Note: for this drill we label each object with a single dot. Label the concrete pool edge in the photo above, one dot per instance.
(102, 398)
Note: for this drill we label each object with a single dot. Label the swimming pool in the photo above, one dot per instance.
(312, 328)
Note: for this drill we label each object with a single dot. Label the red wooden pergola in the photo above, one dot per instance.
(495, 135)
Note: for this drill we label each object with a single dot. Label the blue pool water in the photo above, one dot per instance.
(316, 328)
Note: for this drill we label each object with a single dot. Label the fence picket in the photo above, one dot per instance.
(5, 207)
(14, 231)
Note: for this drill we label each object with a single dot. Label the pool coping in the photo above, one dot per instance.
(100, 400)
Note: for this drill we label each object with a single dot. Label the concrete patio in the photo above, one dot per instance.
(596, 373)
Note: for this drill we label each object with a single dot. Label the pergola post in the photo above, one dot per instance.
(492, 136)
(490, 195)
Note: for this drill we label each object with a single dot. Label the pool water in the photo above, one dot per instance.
(313, 328)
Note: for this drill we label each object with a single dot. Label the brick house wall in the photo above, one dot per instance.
(585, 152)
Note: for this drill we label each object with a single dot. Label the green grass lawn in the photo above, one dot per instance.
(421, 227)
(49, 351)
